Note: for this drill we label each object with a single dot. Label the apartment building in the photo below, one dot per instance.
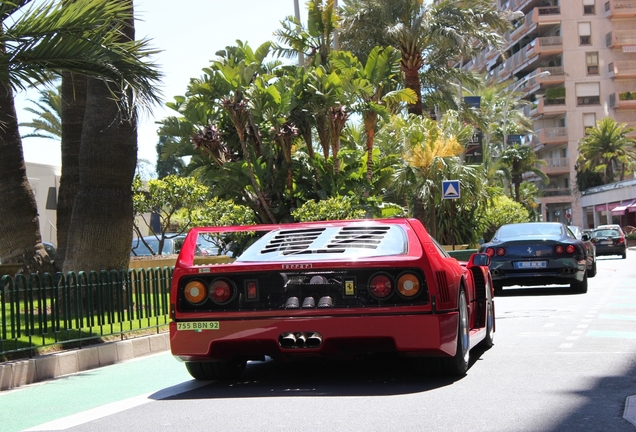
(575, 60)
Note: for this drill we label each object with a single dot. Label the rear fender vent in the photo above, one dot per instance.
(442, 287)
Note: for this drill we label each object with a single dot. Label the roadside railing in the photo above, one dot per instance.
(80, 308)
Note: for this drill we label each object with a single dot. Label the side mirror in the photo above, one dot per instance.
(585, 237)
(479, 259)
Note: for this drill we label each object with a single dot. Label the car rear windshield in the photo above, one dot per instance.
(606, 233)
(523, 230)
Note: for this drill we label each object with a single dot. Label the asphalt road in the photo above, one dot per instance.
(561, 362)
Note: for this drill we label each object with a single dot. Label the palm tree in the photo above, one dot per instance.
(607, 148)
(103, 206)
(33, 42)
(427, 35)
(48, 121)
(517, 160)
(374, 88)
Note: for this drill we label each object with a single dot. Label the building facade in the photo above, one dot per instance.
(45, 181)
(575, 61)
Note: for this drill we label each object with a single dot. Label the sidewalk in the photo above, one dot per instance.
(18, 373)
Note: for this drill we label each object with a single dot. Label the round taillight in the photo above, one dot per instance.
(221, 291)
(408, 285)
(380, 286)
(490, 252)
(569, 249)
(195, 292)
(501, 252)
(558, 249)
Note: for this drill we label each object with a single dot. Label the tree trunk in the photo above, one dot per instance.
(20, 239)
(412, 81)
(101, 228)
(73, 106)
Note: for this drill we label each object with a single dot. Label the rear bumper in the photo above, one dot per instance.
(558, 272)
(342, 337)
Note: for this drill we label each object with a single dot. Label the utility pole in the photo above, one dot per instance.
(301, 57)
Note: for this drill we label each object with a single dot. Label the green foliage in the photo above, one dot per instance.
(626, 95)
(334, 208)
(164, 197)
(555, 93)
(631, 236)
(502, 210)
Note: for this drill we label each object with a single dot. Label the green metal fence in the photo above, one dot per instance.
(80, 308)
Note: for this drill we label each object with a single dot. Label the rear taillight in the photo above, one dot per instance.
(501, 251)
(621, 240)
(221, 291)
(558, 249)
(380, 286)
(195, 292)
(569, 249)
(408, 285)
(490, 252)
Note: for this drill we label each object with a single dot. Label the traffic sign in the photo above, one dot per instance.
(450, 189)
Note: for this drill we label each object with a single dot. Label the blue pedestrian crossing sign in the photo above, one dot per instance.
(450, 189)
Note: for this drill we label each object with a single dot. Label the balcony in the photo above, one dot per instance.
(620, 8)
(549, 108)
(620, 38)
(557, 192)
(554, 166)
(557, 76)
(545, 45)
(622, 69)
(552, 135)
(623, 100)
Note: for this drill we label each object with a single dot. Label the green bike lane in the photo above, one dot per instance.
(30, 406)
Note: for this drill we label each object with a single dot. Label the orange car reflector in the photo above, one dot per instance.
(195, 292)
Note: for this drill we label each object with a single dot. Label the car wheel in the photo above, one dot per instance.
(580, 287)
(458, 364)
(215, 370)
(624, 255)
(592, 272)
(489, 341)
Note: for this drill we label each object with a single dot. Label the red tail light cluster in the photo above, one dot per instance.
(382, 286)
(621, 240)
(220, 291)
(491, 252)
(559, 249)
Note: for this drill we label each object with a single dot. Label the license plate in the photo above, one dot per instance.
(531, 264)
(606, 242)
(198, 325)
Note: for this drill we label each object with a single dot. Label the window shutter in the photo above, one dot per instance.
(589, 120)
(587, 89)
(588, 2)
(585, 29)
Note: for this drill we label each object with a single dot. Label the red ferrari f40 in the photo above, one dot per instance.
(335, 289)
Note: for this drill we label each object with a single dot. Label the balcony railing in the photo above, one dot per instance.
(619, 38)
(553, 135)
(555, 166)
(623, 100)
(622, 69)
(620, 8)
(552, 192)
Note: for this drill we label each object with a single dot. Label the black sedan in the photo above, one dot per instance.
(609, 241)
(537, 253)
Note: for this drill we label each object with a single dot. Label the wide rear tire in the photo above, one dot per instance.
(592, 272)
(215, 370)
(580, 287)
(489, 341)
(458, 364)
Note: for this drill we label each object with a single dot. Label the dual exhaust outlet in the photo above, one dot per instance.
(300, 340)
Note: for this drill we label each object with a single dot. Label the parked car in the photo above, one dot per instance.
(590, 249)
(537, 253)
(610, 241)
(611, 226)
(334, 289)
(171, 245)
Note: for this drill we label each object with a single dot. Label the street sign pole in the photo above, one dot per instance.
(451, 190)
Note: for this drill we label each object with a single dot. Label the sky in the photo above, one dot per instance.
(188, 32)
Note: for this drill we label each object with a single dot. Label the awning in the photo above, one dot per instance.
(632, 207)
(620, 210)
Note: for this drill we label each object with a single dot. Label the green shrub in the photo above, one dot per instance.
(555, 93)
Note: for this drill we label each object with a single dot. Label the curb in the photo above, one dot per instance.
(18, 373)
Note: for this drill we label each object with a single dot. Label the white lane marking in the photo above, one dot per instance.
(566, 345)
(582, 326)
(586, 320)
(572, 338)
(115, 407)
(548, 324)
(577, 332)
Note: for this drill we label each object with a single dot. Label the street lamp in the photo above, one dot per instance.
(524, 80)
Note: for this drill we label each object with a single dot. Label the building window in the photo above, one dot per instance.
(588, 94)
(585, 33)
(589, 121)
(591, 60)
(588, 7)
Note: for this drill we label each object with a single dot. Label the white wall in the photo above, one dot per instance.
(42, 177)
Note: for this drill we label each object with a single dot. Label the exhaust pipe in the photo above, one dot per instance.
(287, 340)
(301, 340)
(495, 272)
(314, 340)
